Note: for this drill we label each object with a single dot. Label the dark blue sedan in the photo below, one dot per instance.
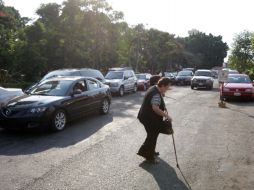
(56, 101)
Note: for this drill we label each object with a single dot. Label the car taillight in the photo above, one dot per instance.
(248, 90)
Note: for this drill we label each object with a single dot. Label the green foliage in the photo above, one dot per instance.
(89, 33)
(242, 57)
(210, 50)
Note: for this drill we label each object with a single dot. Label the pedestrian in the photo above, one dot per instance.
(154, 79)
(151, 115)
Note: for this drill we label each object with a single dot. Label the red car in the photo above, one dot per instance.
(238, 85)
(143, 81)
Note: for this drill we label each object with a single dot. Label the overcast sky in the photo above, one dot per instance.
(219, 17)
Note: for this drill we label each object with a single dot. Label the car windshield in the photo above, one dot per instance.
(52, 88)
(238, 79)
(185, 73)
(114, 75)
(142, 77)
(203, 73)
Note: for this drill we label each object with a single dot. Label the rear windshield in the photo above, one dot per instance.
(141, 77)
(238, 79)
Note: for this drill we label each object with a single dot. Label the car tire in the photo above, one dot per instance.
(121, 91)
(135, 88)
(105, 105)
(192, 87)
(59, 120)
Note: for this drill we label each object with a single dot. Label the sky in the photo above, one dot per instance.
(219, 17)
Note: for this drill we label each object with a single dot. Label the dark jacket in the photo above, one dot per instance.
(146, 113)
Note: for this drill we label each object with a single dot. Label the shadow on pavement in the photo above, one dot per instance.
(34, 141)
(164, 175)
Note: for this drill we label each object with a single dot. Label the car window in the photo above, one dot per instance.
(114, 75)
(92, 84)
(80, 85)
(52, 88)
(75, 73)
(185, 73)
(92, 73)
(239, 79)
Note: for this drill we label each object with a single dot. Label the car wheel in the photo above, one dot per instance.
(105, 106)
(59, 120)
(135, 88)
(192, 87)
(121, 91)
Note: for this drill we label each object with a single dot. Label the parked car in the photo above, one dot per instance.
(121, 80)
(84, 72)
(237, 85)
(215, 73)
(170, 76)
(184, 77)
(6, 94)
(202, 79)
(143, 80)
(56, 101)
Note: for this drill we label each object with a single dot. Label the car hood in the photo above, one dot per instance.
(33, 101)
(113, 80)
(202, 77)
(238, 85)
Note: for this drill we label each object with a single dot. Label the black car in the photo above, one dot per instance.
(54, 102)
(184, 77)
(84, 72)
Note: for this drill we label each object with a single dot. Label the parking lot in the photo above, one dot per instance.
(214, 146)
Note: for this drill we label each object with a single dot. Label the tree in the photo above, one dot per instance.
(242, 54)
(211, 49)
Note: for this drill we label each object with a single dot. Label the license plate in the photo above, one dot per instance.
(237, 94)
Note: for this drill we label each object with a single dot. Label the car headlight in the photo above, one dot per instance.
(226, 89)
(114, 84)
(194, 80)
(37, 110)
(248, 90)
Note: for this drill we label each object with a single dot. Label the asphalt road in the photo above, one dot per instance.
(214, 145)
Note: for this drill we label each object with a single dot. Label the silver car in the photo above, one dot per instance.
(202, 79)
(121, 80)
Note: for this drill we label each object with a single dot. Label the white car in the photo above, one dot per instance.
(7, 94)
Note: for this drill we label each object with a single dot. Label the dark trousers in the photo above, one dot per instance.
(147, 150)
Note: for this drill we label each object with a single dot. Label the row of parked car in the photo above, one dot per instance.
(65, 95)
(68, 94)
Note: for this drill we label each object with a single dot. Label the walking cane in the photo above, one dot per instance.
(177, 164)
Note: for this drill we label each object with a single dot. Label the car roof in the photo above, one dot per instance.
(73, 69)
(235, 74)
(204, 70)
(71, 78)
